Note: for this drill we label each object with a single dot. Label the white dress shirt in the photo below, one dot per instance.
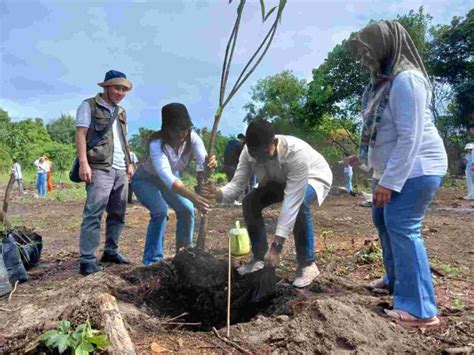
(297, 164)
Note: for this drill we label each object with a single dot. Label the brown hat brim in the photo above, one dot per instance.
(117, 81)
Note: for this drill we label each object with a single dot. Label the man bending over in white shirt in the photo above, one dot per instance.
(290, 171)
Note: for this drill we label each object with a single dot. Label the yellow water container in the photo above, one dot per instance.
(239, 240)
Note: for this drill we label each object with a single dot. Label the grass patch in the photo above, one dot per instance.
(448, 269)
(457, 304)
(451, 181)
(70, 193)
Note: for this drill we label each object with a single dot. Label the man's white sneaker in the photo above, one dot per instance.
(305, 275)
(252, 266)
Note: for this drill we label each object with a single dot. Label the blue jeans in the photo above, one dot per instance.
(41, 184)
(267, 195)
(155, 196)
(405, 259)
(348, 181)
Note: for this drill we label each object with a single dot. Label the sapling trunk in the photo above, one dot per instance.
(244, 75)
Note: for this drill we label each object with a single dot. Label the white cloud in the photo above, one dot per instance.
(172, 50)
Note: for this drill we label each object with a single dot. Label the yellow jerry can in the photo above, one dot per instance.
(239, 240)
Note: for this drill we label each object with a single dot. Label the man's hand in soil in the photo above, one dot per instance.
(272, 256)
(85, 172)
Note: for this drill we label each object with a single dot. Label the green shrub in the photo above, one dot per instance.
(82, 341)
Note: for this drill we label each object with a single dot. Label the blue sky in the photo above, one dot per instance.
(54, 52)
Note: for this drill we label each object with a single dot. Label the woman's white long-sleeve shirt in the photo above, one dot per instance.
(407, 144)
(168, 164)
(297, 164)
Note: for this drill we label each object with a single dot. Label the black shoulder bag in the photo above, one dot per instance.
(74, 173)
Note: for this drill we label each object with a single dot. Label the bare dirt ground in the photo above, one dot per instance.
(335, 314)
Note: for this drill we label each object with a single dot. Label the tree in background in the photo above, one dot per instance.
(328, 106)
(138, 142)
(339, 82)
(28, 139)
(63, 129)
(450, 62)
(449, 58)
(5, 158)
(278, 97)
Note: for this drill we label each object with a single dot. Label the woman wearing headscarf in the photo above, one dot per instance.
(157, 183)
(402, 145)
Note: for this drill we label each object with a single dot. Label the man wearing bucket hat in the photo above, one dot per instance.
(105, 168)
(469, 171)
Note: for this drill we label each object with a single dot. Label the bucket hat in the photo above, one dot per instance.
(114, 77)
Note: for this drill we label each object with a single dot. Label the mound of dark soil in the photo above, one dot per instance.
(198, 286)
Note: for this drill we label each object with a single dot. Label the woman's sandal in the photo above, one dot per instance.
(408, 321)
(378, 286)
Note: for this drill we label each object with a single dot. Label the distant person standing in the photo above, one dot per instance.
(134, 161)
(348, 177)
(106, 169)
(469, 171)
(232, 151)
(49, 172)
(42, 169)
(16, 171)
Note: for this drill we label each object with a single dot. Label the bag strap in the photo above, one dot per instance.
(93, 142)
(125, 142)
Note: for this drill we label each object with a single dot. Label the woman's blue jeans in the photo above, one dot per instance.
(405, 259)
(41, 184)
(348, 181)
(155, 196)
(267, 195)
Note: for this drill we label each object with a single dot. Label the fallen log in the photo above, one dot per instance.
(114, 327)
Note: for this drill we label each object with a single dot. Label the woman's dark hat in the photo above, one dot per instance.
(175, 116)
